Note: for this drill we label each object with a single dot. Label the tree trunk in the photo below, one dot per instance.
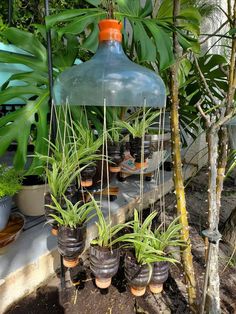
(229, 229)
(178, 174)
(213, 288)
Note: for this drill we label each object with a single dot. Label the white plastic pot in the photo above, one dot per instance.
(30, 199)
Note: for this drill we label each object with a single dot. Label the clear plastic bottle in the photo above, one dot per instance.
(110, 75)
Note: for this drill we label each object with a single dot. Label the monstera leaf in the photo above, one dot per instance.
(29, 124)
(151, 37)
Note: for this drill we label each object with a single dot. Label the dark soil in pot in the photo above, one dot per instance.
(136, 151)
(72, 194)
(87, 176)
(104, 264)
(160, 274)
(138, 276)
(115, 153)
(32, 180)
(71, 243)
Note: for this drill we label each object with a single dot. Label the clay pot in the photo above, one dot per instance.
(87, 176)
(71, 243)
(104, 264)
(138, 276)
(116, 157)
(160, 274)
(136, 151)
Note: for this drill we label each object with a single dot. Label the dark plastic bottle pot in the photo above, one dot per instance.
(104, 264)
(116, 157)
(71, 243)
(138, 276)
(87, 176)
(160, 274)
(136, 151)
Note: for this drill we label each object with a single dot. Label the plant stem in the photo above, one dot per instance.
(178, 174)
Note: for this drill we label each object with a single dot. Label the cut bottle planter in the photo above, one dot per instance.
(30, 199)
(104, 264)
(5, 210)
(71, 243)
(115, 155)
(137, 146)
(87, 176)
(138, 276)
(160, 274)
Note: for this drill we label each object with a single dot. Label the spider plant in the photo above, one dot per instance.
(139, 125)
(145, 243)
(106, 232)
(168, 238)
(73, 215)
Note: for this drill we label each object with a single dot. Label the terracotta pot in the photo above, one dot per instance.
(160, 274)
(116, 157)
(5, 210)
(138, 276)
(30, 199)
(136, 151)
(71, 243)
(87, 176)
(104, 264)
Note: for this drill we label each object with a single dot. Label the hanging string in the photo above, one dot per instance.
(141, 192)
(163, 170)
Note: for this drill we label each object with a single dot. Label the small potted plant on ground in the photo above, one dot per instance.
(104, 251)
(72, 228)
(138, 127)
(10, 184)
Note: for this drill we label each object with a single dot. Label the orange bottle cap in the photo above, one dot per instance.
(110, 30)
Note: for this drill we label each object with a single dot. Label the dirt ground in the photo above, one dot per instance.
(85, 298)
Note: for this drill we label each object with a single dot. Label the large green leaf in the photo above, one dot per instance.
(16, 127)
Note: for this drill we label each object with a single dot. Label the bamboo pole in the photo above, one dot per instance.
(178, 174)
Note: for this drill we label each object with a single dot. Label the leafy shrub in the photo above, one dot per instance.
(10, 181)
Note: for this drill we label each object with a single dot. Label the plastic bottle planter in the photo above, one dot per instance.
(104, 264)
(160, 274)
(48, 211)
(138, 276)
(71, 243)
(116, 157)
(136, 151)
(5, 210)
(87, 176)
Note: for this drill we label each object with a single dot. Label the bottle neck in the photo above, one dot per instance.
(110, 47)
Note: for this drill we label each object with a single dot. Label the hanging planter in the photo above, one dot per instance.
(104, 264)
(160, 272)
(71, 228)
(138, 276)
(87, 175)
(116, 156)
(136, 148)
(71, 243)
